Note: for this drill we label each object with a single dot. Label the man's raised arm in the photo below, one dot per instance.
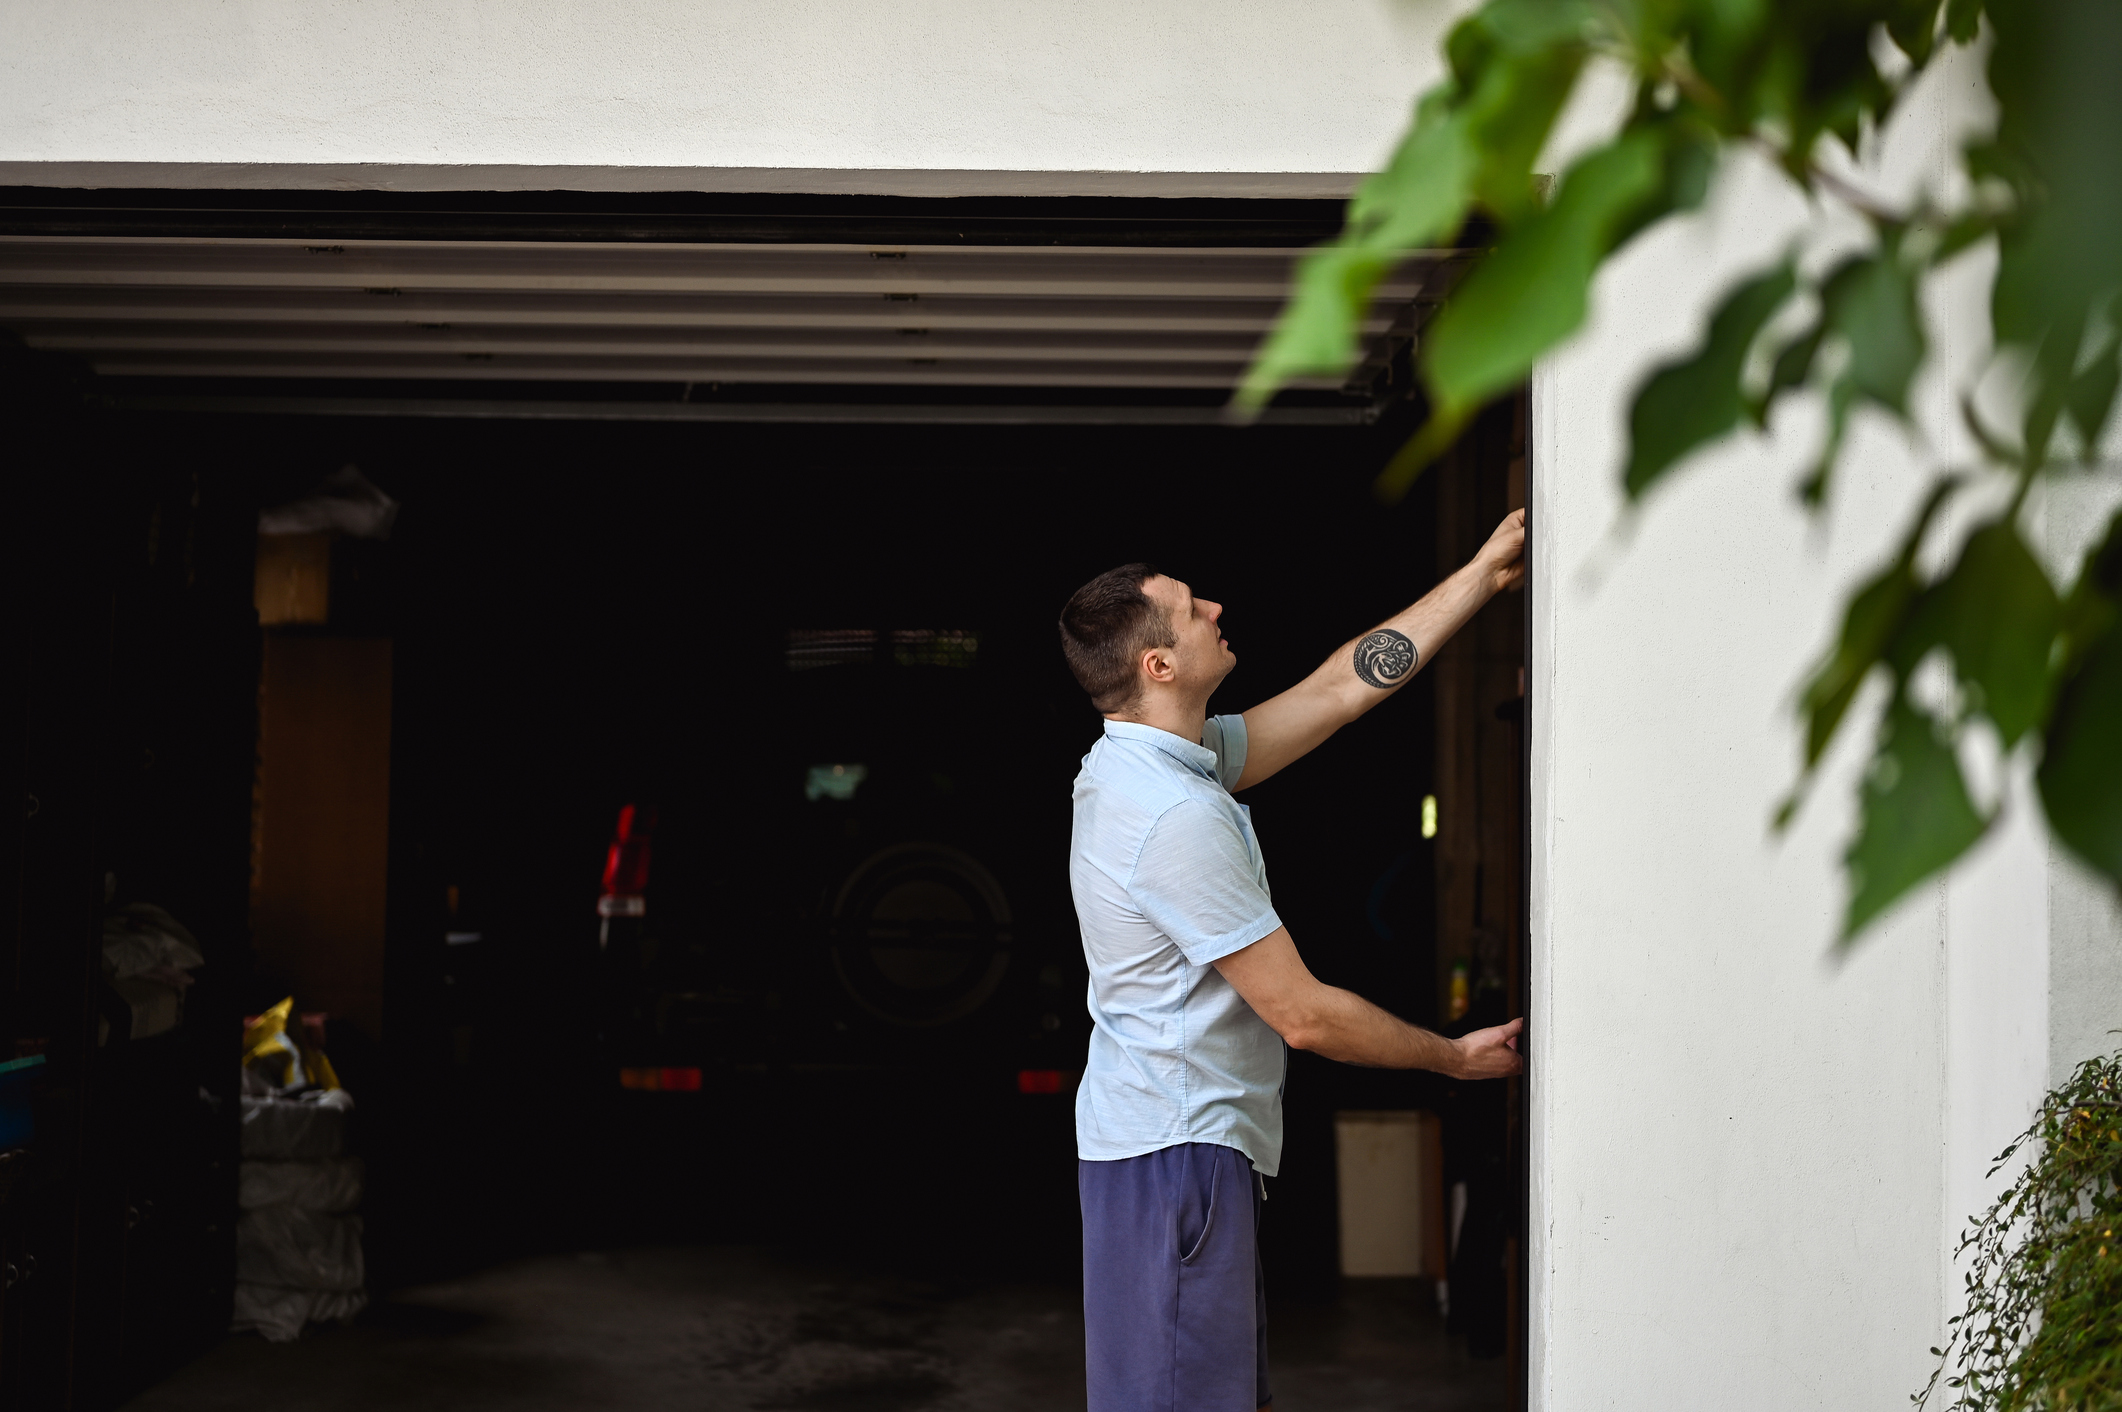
(1367, 669)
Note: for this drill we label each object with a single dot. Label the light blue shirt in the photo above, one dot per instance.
(1168, 878)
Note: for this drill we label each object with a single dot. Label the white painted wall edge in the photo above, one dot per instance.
(1543, 570)
(776, 181)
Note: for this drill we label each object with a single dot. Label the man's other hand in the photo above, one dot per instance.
(1490, 1053)
(1502, 559)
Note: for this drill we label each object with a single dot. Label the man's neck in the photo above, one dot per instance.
(1184, 719)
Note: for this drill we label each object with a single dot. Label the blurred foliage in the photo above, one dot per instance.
(2043, 1327)
(1808, 84)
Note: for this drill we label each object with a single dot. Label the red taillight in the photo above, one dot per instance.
(661, 1080)
(1038, 1080)
(626, 861)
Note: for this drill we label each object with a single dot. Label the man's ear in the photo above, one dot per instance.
(1157, 664)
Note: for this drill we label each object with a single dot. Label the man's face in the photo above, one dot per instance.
(1200, 658)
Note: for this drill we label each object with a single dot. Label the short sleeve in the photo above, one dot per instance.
(1226, 736)
(1194, 881)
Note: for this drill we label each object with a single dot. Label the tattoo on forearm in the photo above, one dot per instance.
(1385, 658)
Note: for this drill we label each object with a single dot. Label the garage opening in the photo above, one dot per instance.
(595, 659)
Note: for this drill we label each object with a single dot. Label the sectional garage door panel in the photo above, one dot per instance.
(1065, 271)
(1082, 317)
(21, 304)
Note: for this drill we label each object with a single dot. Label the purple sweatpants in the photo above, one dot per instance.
(1174, 1304)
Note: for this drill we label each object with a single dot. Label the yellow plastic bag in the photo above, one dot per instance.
(279, 1058)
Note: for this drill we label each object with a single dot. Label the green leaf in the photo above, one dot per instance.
(1963, 20)
(2055, 358)
(2079, 783)
(1871, 302)
(1914, 29)
(1420, 198)
(1840, 393)
(1698, 399)
(1316, 335)
(1528, 295)
(1515, 63)
(2052, 72)
(1791, 368)
(1421, 195)
(2040, 280)
(2093, 600)
(1917, 816)
(2081, 771)
(1961, 233)
(1508, 120)
(1993, 445)
(1838, 82)
(1530, 26)
(1532, 291)
(1691, 156)
(1430, 441)
(2092, 397)
(1997, 614)
(1874, 617)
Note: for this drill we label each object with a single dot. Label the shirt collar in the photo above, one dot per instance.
(1192, 754)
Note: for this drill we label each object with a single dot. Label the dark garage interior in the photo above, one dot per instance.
(764, 1095)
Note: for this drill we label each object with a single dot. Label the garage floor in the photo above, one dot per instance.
(741, 1328)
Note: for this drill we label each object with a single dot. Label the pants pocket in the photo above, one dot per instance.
(1205, 1214)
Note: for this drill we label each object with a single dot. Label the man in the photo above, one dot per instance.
(1195, 985)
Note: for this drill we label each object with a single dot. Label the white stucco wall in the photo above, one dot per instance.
(1736, 1142)
(1751, 1160)
(803, 87)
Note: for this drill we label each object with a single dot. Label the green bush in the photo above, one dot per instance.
(2043, 1325)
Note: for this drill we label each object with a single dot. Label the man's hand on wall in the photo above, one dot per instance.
(1491, 1053)
(1502, 559)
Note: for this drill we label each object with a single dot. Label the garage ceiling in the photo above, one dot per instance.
(729, 328)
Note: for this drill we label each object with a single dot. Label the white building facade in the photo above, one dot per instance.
(1750, 1161)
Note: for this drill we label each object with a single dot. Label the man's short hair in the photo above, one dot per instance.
(1106, 627)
